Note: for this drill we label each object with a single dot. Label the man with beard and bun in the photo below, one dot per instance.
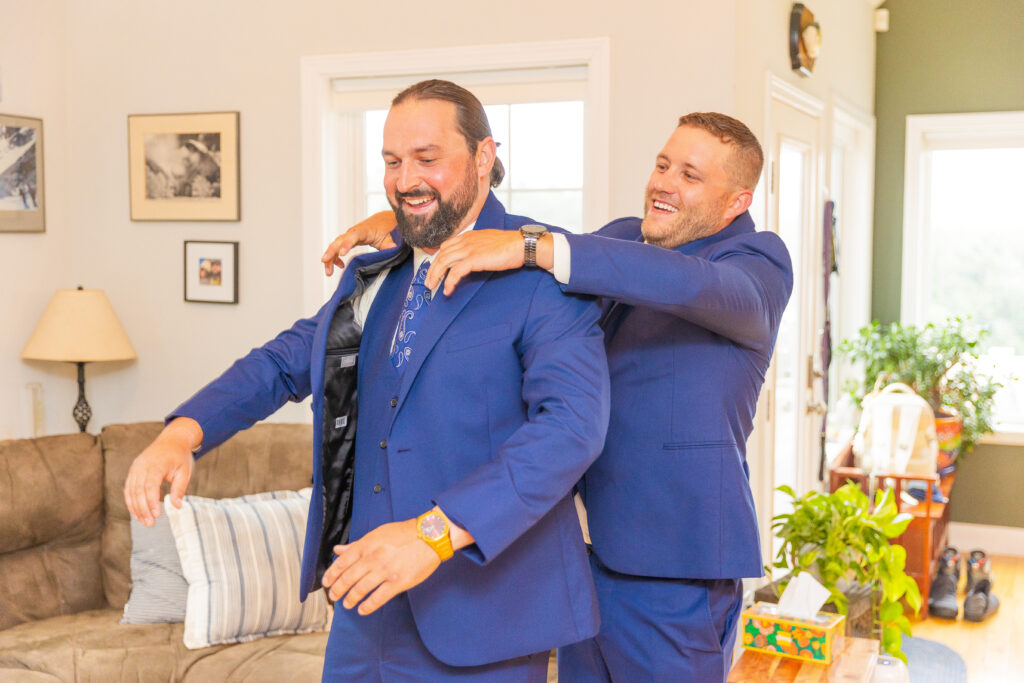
(459, 555)
(692, 298)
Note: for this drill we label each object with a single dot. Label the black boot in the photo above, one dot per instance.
(978, 567)
(942, 594)
(980, 603)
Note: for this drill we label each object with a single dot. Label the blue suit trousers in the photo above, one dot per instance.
(655, 629)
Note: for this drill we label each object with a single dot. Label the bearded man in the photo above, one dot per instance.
(442, 519)
(692, 298)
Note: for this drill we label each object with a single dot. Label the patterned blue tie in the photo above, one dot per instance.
(415, 308)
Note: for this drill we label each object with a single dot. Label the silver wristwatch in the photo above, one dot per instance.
(531, 233)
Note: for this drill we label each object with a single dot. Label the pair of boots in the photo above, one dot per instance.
(979, 603)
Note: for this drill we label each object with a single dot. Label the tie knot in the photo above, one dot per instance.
(421, 273)
(419, 281)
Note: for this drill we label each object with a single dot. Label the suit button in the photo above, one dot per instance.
(377, 488)
(394, 402)
(384, 443)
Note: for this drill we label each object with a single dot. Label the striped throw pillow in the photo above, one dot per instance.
(241, 558)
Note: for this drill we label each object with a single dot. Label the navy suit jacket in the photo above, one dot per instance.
(501, 410)
(690, 333)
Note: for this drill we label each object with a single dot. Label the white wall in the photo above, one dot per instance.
(106, 59)
(846, 66)
(33, 79)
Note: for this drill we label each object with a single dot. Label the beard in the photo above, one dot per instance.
(690, 224)
(429, 232)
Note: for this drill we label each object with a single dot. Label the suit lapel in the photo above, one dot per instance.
(444, 309)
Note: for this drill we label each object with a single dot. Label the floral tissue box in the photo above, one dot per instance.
(814, 640)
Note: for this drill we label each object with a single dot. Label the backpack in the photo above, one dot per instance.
(896, 434)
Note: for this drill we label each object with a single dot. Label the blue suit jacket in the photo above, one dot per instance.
(503, 407)
(690, 334)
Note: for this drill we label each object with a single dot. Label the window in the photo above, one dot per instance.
(540, 146)
(963, 240)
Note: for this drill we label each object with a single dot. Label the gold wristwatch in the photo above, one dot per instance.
(435, 532)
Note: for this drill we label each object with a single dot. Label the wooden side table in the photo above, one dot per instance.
(854, 664)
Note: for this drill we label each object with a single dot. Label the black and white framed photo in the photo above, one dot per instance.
(211, 272)
(21, 174)
(184, 167)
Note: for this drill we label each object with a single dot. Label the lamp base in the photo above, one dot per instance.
(81, 412)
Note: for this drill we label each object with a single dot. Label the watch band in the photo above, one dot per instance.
(531, 233)
(530, 251)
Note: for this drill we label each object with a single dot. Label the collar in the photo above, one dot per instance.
(419, 256)
(740, 225)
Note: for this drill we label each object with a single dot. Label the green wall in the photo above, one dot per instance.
(938, 57)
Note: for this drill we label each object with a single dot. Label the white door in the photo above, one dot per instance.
(791, 413)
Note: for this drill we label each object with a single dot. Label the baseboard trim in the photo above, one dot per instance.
(994, 540)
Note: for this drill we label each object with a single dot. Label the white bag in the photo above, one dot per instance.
(896, 434)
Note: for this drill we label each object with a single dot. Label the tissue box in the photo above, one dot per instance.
(814, 640)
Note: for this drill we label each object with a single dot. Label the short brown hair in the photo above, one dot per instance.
(472, 120)
(745, 163)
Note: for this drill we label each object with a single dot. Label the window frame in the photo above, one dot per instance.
(321, 172)
(926, 133)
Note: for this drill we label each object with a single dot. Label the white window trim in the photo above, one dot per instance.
(319, 217)
(925, 133)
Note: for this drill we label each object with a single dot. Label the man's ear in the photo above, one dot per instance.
(486, 153)
(739, 202)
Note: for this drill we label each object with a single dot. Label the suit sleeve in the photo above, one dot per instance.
(254, 386)
(566, 394)
(739, 293)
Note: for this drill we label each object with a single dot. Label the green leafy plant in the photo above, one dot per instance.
(939, 362)
(841, 539)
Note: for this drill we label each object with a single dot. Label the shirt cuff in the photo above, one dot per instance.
(561, 256)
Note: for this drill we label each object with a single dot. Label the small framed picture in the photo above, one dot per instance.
(21, 175)
(184, 167)
(211, 272)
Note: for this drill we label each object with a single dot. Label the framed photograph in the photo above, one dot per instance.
(21, 175)
(183, 167)
(211, 272)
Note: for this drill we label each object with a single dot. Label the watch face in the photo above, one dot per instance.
(432, 527)
(532, 229)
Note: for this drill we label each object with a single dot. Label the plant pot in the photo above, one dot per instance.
(947, 431)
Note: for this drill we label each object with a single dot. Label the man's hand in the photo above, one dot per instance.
(475, 250)
(390, 559)
(168, 458)
(375, 231)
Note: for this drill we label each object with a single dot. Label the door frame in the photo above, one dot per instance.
(780, 91)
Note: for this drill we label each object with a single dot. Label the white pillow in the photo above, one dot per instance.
(241, 558)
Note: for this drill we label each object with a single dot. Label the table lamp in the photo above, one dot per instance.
(79, 326)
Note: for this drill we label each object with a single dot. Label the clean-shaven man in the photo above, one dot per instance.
(447, 502)
(692, 297)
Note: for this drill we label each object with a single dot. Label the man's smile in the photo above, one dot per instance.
(658, 206)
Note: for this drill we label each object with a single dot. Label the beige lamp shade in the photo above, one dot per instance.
(79, 326)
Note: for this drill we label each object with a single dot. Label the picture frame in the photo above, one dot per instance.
(184, 167)
(22, 177)
(211, 272)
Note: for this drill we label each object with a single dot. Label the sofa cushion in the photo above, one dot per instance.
(242, 557)
(51, 516)
(269, 660)
(93, 646)
(266, 457)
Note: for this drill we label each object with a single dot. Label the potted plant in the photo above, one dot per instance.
(844, 542)
(940, 363)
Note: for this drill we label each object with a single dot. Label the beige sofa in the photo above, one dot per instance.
(64, 560)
